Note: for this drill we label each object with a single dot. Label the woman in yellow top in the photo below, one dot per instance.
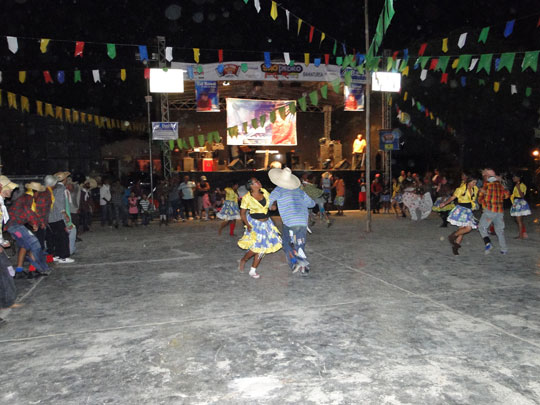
(520, 208)
(462, 214)
(230, 211)
(261, 235)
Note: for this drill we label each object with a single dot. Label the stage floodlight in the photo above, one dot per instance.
(386, 81)
(167, 80)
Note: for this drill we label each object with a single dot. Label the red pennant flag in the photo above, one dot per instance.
(220, 55)
(311, 31)
(427, 112)
(433, 64)
(79, 48)
(47, 76)
(326, 58)
(444, 78)
(147, 73)
(422, 49)
(394, 55)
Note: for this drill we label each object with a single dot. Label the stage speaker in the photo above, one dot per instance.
(236, 164)
(342, 165)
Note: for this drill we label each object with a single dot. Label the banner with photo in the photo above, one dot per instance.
(206, 93)
(354, 97)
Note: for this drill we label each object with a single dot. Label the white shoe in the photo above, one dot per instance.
(56, 258)
(66, 260)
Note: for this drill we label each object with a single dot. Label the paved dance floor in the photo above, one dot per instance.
(161, 315)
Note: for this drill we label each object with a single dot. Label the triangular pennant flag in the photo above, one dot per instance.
(303, 103)
(60, 76)
(273, 11)
(455, 63)
(422, 49)
(220, 68)
(444, 78)
(509, 28)
(201, 140)
(282, 112)
(442, 64)
(267, 61)
(405, 71)
(334, 49)
(445, 45)
(496, 86)
(67, 114)
(143, 52)
(171, 144)
(76, 76)
(111, 51)
(196, 54)
(192, 139)
(49, 110)
(147, 73)
(528, 92)
(257, 4)
(464, 62)
(299, 25)
(507, 61)
(287, 15)
(13, 44)
(405, 95)
(483, 35)
(84, 116)
(47, 76)
(314, 97)
(123, 74)
(306, 59)
(217, 138)
(76, 116)
(273, 116)
(323, 36)
(97, 121)
(255, 123)
(39, 108)
(95, 74)
(22, 76)
(474, 61)
(530, 60)
(463, 81)
(348, 78)
(423, 74)
(292, 108)
(220, 55)
(485, 63)
(513, 89)
(326, 58)
(180, 144)
(462, 40)
(433, 64)
(317, 62)
(12, 100)
(422, 61)
(287, 58)
(168, 53)
(262, 120)
(336, 84)
(244, 67)
(311, 31)
(43, 44)
(481, 82)
(199, 69)
(79, 48)
(189, 72)
(339, 60)
(59, 113)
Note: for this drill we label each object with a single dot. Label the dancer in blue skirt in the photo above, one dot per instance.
(229, 212)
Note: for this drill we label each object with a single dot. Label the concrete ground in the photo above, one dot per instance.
(161, 315)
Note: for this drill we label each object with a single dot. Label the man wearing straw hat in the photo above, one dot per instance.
(293, 204)
(58, 219)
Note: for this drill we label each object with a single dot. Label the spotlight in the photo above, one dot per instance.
(226, 83)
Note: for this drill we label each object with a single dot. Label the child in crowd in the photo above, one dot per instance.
(206, 204)
(385, 197)
(163, 208)
(145, 209)
(218, 200)
(133, 209)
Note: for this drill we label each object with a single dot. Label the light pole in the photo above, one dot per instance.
(368, 126)
(148, 99)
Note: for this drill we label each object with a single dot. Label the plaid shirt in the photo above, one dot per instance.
(43, 207)
(492, 196)
(21, 212)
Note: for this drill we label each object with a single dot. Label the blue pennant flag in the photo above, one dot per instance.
(267, 61)
(220, 68)
(60, 76)
(317, 62)
(463, 81)
(360, 58)
(143, 52)
(509, 28)
(190, 72)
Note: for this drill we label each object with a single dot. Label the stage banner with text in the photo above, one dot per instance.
(389, 139)
(206, 92)
(164, 131)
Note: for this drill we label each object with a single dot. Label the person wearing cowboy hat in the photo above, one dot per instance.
(293, 204)
(6, 188)
(85, 205)
(58, 219)
(22, 212)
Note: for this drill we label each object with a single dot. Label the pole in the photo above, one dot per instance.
(368, 126)
(148, 99)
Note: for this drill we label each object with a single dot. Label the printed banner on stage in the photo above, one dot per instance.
(258, 71)
(164, 131)
(354, 97)
(265, 133)
(206, 92)
(389, 139)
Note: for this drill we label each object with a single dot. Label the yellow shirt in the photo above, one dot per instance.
(515, 193)
(230, 194)
(464, 195)
(254, 206)
(359, 146)
(395, 189)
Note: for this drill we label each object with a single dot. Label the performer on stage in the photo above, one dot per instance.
(359, 147)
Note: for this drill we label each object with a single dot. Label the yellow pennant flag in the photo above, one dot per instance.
(67, 114)
(196, 54)
(108, 122)
(273, 10)
(25, 104)
(496, 86)
(49, 110)
(299, 25)
(12, 100)
(102, 122)
(39, 108)
(22, 76)
(89, 118)
(75, 116)
(431, 116)
(455, 63)
(123, 74)
(405, 96)
(83, 117)
(43, 43)
(405, 71)
(59, 114)
(96, 120)
(323, 36)
(445, 45)
(306, 59)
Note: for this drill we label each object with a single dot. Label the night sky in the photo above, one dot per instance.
(495, 129)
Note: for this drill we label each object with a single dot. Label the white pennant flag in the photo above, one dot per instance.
(398, 62)
(258, 5)
(412, 101)
(168, 53)
(13, 45)
(513, 89)
(287, 58)
(473, 64)
(423, 75)
(95, 73)
(287, 14)
(462, 40)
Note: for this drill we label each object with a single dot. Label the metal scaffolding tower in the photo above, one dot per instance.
(164, 108)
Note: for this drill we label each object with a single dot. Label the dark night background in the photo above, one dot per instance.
(492, 128)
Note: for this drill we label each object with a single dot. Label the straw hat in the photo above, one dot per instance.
(61, 176)
(284, 178)
(35, 186)
(326, 175)
(203, 178)
(92, 183)
(50, 180)
(7, 183)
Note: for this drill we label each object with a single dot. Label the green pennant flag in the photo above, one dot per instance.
(422, 61)
(418, 105)
(199, 69)
(245, 127)
(442, 64)
(348, 78)
(303, 103)
(217, 138)
(77, 76)
(210, 138)
(324, 91)
(291, 63)
(379, 32)
(292, 107)
(361, 68)
(339, 61)
(389, 64)
(111, 51)
(171, 144)
(314, 97)
(244, 67)
(464, 63)
(483, 35)
(389, 13)
(335, 48)
(262, 120)
(255, 123)
(192, 141)
(507, 61)
(530, 60)
(373, 64)
(404, 66)
(282, 112)
(485, 63)
(246, 1)
(481, 82)
(184, 142)
(336, 84)
(528, 92)
(180, 143)
(201, 139)
(273, 116)
(346, 62)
